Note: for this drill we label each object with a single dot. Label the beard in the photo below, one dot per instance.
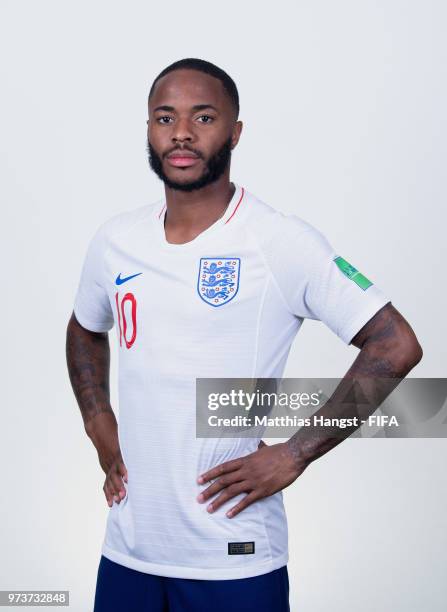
(215, 167)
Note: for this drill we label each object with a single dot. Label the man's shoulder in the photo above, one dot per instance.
(124, 221)
(268, 222)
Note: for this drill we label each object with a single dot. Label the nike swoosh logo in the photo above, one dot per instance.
(120, 281)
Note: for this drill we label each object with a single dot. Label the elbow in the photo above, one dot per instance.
(414, 356)
(407, 354)
(418, 353)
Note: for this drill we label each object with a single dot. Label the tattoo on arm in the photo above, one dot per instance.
(388, 351)
(389, 347)
(88, 361)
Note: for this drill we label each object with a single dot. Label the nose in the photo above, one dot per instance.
(182, 131)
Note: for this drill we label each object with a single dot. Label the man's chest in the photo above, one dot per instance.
(195, 295)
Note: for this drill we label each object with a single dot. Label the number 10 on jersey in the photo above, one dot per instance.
(126, 310)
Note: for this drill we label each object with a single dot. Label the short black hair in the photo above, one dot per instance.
(193, 63)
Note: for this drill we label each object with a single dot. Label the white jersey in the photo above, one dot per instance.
(227, 304)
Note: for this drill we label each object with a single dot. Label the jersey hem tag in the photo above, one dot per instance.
(241, 548)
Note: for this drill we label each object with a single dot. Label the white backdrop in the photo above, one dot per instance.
(344, 111)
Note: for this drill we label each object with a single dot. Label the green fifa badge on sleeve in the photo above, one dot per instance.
(352, 273)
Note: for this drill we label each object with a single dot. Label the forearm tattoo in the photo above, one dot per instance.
(389, 350)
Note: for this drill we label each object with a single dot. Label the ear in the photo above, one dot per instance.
(237, 129)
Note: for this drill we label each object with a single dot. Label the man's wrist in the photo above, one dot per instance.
(296, 452)
(102, 430)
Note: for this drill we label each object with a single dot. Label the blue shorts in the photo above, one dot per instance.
(119, 588)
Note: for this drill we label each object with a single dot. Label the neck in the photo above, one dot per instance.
(198, 209)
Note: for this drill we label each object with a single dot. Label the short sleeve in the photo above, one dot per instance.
(92, 306)
(318, 283)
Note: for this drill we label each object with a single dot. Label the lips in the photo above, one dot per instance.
(182, 159)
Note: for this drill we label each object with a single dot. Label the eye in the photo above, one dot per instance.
(164, 120)
(205, 119)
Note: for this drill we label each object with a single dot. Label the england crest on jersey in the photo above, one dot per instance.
(218, 280)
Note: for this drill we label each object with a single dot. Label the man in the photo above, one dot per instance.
(208, 282)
